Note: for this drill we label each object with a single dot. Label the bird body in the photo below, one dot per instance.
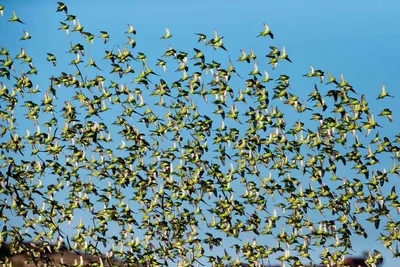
(65, 27)
(202, 37)
(131, 30)
(62, 7)
(384, 93)
(284, 55)
(26, 36)
(104, 35)
(78, 27)
(266, 32)
(167, 35)
(15, 18)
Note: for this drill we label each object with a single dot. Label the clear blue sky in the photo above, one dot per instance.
(360, 39)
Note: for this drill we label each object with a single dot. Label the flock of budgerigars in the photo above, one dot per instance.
(201, 170)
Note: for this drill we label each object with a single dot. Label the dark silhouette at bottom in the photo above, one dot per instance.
(348, 262)
(51, 256)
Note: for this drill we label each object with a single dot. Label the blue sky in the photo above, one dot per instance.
(357, 38)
